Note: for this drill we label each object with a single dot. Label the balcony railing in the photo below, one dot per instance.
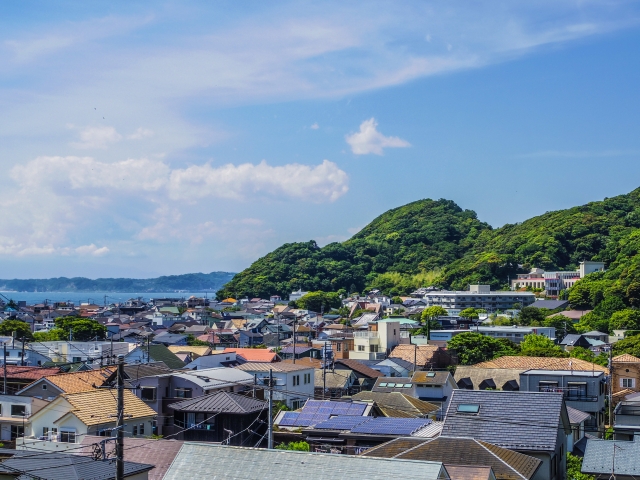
(366, 334)
(572, 394)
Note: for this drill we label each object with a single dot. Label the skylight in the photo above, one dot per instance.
(468, 408)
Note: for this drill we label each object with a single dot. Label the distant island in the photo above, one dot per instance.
(190, 282)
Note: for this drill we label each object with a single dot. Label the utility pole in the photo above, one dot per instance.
(22, 358)
(120, 421)
(295, 322)
(4, 367)
(270, 436)
(610, 386)
(324, 369)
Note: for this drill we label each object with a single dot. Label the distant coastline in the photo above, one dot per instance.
(174, 284)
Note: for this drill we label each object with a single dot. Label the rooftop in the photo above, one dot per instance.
(197, 460)
(599, 457)
(422, 354)
(276, 367)
(626, 358)
(395, 404)
(212, 378)
(81, 381)
(222, 402)
(541, 363)
(100, 406)
(254, 354)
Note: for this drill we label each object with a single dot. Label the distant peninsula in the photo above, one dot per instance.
(190, 282)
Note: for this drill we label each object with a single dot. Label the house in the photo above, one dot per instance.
(603, 458)
(14, 411)
(626, 420)
(578, 438)
(249, 338)
(424, 357)
(598, 336)
(73, 415)
(334, 383)
(540, 363)
(392, 367)
(366, 375)
(532, 423)
(300, 352)
(56, 465)
(20, 377)
(221, 417)
(154, 353)
(214, 360)
(435, 387)
(398, 405)
(625, 373)
(49, 387)
(199, 460)
(98, 352)
(293, 383)
(261, 355)
(167, 339)
(159, 452)
(505, 464)
(574, 340)
(584, 391)
(161, 390)
(376, 341)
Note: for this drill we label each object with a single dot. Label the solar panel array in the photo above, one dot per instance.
(342, 422)
(318, 411)
(391, 426)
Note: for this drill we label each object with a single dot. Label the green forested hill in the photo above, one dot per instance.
(436, 242)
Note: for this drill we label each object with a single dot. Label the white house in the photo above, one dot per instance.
(64, 351)
(68, 418)
(376, 342)
(15, 413)
(293, 383)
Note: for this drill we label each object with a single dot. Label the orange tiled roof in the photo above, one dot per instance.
(80, 381)
(541, 363)
(30, 373)
(254, 354)
(626, 358)
(422, 354)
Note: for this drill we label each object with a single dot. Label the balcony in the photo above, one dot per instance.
(366, 334)
(570, 394)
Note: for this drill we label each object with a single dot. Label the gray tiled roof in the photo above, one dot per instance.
(64, 466)
(514, 420)
(197, 460)
(577, 416)
(223, 402)
(599, 456)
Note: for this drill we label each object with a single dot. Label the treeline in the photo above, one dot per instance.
(431, 242)
(191, 282)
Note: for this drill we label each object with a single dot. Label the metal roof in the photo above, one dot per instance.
(223, 402)
(600, 454)
(197, 460)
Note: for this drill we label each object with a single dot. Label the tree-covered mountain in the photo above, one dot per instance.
(191, 282)
(436, 242)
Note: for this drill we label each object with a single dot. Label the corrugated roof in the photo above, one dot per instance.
(541, 414)
(223, 402)
(541, 363)
(506, 464)
(100, 406)
(197, 460)
(276, 367)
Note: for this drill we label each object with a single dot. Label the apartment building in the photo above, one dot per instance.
(478, 296)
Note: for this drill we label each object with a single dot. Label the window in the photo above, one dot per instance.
(68, 437)
(45, 432)
(141, 429)
(361, 348)
(627, 382)
(577, 389)
(307, 378)
(77, 359)
(135, 430)
(16, 431)
(183, 393)
(18, 410)
(546, 386)
(44, 386)
(338, 347)
(148, 394)
(468, 408)
(373, 348)
(296, 380)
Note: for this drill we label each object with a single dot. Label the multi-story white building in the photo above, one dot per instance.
(478, 296)
(376, 342)
(61, 351)
(293, 384)
(553, 282)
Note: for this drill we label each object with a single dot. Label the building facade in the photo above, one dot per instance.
(478, 296)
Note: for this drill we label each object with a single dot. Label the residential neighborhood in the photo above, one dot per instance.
(360, 382)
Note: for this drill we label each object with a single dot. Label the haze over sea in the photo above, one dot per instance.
(95, 297)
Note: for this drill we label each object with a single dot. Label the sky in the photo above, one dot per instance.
(140, 139)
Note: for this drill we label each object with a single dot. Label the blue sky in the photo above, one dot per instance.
(144, 139)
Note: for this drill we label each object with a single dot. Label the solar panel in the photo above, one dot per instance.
(391, 426)
(288, 419)
(329, 408)
(342, 422)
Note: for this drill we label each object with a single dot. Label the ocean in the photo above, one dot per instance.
(95, 297)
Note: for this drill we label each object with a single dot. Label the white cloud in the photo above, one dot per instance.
(97, 137)
(141, 133)
(370, 140)
(92, 250)
(315, 126)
